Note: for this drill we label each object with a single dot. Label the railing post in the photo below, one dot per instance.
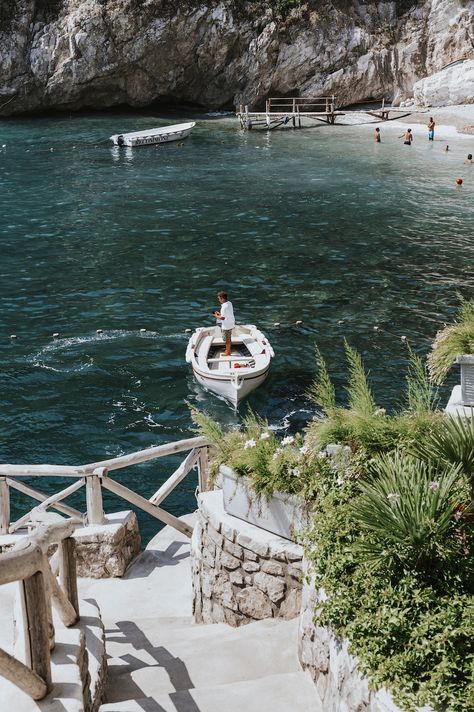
(36, 619)
(4, 506)
(67, 571)
(49, 610)
(203, 469)
(95, 509)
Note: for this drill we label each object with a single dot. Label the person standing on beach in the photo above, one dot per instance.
(431, 128)
(407, 137)
(226, 317)
(377, 135)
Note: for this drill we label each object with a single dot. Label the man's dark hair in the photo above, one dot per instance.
(469, 156)
(222, 294)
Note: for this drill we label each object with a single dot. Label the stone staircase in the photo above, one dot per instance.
(78, 661)
(161, 661)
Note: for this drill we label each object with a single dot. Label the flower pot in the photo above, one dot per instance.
(467, 378)
(283, 515)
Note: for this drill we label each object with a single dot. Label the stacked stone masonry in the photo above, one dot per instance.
(240, 572)
(102, 550)
(105, 551)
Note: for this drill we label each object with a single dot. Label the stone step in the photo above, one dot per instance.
(290, 692)
(149, 659)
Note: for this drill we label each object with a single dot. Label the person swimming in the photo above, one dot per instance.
(377, 137)
(468, 160)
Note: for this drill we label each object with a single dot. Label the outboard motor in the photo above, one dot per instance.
(120, 141)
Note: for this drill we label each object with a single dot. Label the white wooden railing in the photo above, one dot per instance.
(27, 562)
(95, 477)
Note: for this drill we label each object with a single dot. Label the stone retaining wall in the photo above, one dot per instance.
(240, 572)
(334, 670)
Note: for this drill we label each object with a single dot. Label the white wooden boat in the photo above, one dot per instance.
(164, 134)
(232, 377)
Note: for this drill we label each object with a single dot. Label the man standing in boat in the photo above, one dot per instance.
(226, 317)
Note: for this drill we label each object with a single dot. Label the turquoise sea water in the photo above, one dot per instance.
(319, 225)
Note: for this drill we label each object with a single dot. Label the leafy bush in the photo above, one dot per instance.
(412, 629)
(457, 338)
(271, 465)
(406, 514)
(450, 443)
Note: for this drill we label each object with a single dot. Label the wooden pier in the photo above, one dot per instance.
(284, 111)
(281, 111)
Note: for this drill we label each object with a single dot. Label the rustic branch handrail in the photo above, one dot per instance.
(115, 463)
(27, 563)
(95, 476)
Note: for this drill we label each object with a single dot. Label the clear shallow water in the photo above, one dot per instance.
(320, 225)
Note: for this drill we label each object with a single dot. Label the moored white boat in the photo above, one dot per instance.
(232, 377)
(164, 134)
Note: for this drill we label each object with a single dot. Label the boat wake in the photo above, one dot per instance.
(66, 355)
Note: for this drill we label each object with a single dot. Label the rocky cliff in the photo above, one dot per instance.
(72, 54)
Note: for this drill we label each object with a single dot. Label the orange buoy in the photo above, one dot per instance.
(459, 181)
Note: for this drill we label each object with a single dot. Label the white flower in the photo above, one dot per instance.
(304, 449)
(264, 436)
(380, 411)
(296, 472)
(393, 497)
(249, 443)
(434, 486)
(339, 481)
(322, 455)
(276, 453)
(288, 440)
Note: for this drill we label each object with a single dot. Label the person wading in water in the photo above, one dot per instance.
(431, 128)
(407, 137)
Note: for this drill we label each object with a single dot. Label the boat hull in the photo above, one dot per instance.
(153, 136)
(224, 387)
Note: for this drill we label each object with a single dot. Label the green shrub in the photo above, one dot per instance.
(363, 424)
(413, 632)
(457, 338)
(406, 514)
(450, 443)
(271, 465)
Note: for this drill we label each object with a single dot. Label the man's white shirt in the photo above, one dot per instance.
(227, 311)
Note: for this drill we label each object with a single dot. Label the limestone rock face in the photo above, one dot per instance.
(453, 85)
(102, 53)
